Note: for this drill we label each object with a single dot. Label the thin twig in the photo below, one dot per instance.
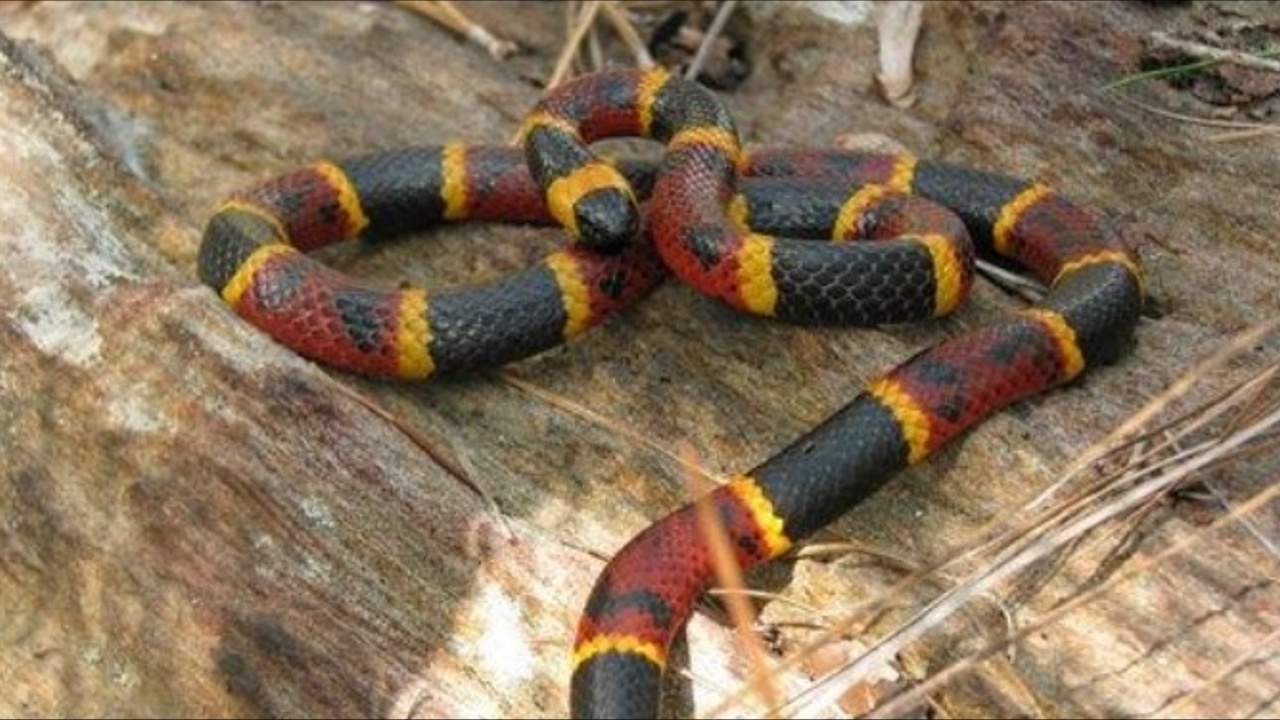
(448, 15)
(594, 51)
(1143, 564)
(1019, 556)
(1003, 551)
(1267, 645)
(1246, 134)
(1173, 70)
(462, 471)
(704, 49)
(626, 30)
(621, 429)
(581, 23)
(1027, 288)
(1179, 388)
(1258, 61)
(1210, 122)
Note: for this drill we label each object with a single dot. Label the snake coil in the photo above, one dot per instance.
(716, 218)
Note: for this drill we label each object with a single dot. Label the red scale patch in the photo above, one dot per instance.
(607, 106)
(615, 281)
(307, 206)
(962, 381)
(500, 189)
(649, 588)
(297, 300)
(1055, 231)
(855, 168)
(692, 233)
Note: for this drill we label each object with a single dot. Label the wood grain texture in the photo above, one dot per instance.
(198, 523)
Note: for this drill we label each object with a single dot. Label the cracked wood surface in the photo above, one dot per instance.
(199, 523)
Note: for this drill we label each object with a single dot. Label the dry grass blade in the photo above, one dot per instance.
(626, 30)
(1012, 282)
(462, 470)
(448, 15)
(697, 473)
(1171, 709)
(1208, 52)
(729, 576)
(1237, 129)
(708, 41)
(1245, 134)
(1139, 567)
(1181, 387)
(1121, 493)
(582, 22)
(763, 595)
(1248, 422)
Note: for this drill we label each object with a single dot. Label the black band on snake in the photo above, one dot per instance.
(717, 218)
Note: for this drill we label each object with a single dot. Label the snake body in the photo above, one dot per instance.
(255, 246)
(720, 219)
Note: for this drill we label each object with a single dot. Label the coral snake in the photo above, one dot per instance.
(714, 218)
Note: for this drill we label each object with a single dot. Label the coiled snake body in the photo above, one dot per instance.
(711, 220)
